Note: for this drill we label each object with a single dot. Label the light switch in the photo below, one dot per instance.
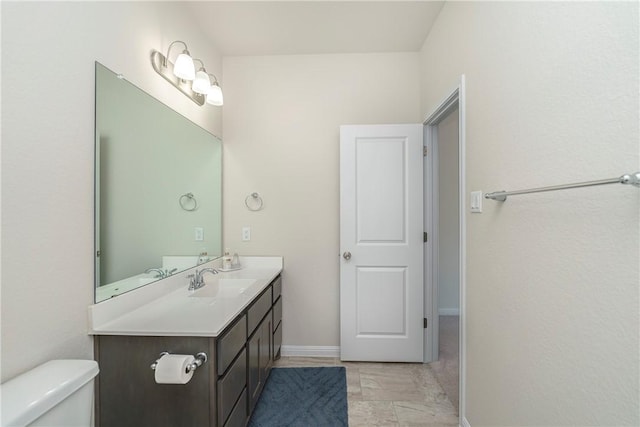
(246, 234)
(476, 202)
(199, 233)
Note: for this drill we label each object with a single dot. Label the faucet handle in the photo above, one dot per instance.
(192, 281)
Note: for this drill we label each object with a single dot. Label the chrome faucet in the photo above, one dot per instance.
(160, 274)
(196, 280)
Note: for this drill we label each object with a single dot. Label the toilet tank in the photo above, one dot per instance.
(56, 393)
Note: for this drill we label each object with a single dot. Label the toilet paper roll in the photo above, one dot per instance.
(172, 369)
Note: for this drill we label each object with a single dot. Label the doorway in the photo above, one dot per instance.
(369, 324)
(444, 183)
(447, 254)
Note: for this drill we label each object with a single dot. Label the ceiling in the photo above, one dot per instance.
(239, 28)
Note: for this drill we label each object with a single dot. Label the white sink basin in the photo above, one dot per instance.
(223, 288)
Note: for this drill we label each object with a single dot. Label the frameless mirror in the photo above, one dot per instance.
(158, 192)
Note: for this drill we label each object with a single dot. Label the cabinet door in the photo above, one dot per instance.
(277, 342)
(253, 356)
(266, 351)
(259, 347)
(277, 329)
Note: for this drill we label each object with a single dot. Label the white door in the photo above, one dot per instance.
(381, 243)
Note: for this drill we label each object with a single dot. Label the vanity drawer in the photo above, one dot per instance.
(231, 386)
(277, 313)
(258, 310)
(231, 343)
(238, 417)
(277, 288)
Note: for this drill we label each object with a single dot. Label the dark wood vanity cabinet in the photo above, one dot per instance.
(221, 393)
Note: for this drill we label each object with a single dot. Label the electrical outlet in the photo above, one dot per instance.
(199, 233)
(246, 234)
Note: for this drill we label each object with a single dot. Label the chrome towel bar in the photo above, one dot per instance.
(631, 179)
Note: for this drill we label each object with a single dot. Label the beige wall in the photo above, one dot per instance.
(448, 214)
(48, 54)
(552, 279)
(552, 97)
(281, 139)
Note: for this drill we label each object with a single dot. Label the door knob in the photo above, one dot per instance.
(346, 255)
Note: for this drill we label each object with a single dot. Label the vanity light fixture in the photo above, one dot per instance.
(182, 74)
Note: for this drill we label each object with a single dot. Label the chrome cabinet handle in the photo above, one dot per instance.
(346, 255)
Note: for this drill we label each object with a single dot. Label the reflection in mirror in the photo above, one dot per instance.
(158, 189)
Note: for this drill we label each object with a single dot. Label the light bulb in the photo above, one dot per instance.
(214, 96)
(184, 68)
(201, 84)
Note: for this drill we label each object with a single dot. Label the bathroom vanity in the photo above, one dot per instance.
(144, 306)
(236, 319)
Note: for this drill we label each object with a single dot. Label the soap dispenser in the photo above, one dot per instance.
(226, 260)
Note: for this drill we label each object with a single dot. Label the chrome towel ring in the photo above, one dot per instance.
(253, 202)
(188, 199)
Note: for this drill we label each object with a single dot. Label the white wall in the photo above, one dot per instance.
(48, 54)
(448, 214)
(281, 138)
(552, 280)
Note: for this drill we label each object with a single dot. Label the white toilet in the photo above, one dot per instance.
(56, 393)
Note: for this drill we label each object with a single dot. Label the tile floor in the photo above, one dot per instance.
(446, 368)
(389, 394)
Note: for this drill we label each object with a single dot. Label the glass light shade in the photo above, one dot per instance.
(184, 68)
(214, 96)
(201, 84)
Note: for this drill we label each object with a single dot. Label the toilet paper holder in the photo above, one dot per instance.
(200, 358)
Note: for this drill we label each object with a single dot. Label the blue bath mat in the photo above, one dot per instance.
(303, 397)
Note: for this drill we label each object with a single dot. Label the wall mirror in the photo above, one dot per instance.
(158, 189)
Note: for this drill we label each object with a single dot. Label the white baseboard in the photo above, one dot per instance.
(449, 311)
(310, 351)
(464, 422)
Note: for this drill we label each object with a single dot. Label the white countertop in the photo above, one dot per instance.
(170, 309)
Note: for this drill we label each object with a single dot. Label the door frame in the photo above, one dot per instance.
(455, 98)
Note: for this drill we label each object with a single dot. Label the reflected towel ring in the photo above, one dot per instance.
(190, 198)
(253, 202)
